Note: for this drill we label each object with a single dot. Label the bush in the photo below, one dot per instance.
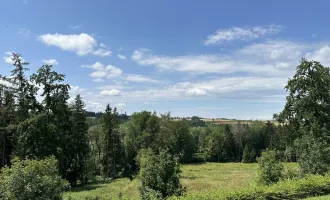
(270, 167)
(159, 175)
(32, 179)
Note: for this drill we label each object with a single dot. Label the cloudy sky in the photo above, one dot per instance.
(207, 58)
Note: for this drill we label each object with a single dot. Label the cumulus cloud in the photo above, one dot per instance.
(322, 55)
(50, 62)
(110, 71)
(112, 92)
(102, 71)
(81, 44)
(122, 57)
(237, 33)
(8, 58)
(102, 52)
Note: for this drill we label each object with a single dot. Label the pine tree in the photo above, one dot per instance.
(78, 141)
(113, 152)
(18, 101)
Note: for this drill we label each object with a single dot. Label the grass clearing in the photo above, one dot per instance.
(196, 178)
(319, 198)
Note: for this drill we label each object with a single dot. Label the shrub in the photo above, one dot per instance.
(159, 175)
(270, 167)
(32, 179)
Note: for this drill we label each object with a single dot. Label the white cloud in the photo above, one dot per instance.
(139, 78)
(94, 106)
(115, 86)
(322, 55)
(236, 33)
(196, 92)
(110, 71)
(81, 44)
(5, 83)
(112, 92)
(9, 56)
(103, 45)
(102, 52)
(50, 62)
(150, 103)
(98, 80)
(240, 61)
(122, 57)
(24, 32)
(242, 88)
(74, 26)
(104, 71)
(120, 105)
(75, 90)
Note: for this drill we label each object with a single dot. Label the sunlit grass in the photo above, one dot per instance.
(196, 178)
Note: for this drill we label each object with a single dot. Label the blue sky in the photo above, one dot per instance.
(207, 58)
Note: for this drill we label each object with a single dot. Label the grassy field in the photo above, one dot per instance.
(196, 178)
(319, 198)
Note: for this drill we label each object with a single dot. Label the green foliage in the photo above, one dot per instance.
(270, 167)
(77, 151)
(140, 132)
(113, 153)
(307, 111)
(37, 138)
(196, 122)
(249, 154)
(32, 179)
(159, 175)
(314, 155)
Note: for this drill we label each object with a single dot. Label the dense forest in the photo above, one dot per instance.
(80, 145)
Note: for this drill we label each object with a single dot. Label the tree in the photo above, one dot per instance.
(7, 116)
(229, 144)
(160, 175)
(140, 132)
(180, 142)
(17, 102)
(196, 122)
(79, 147)
(309, 96)
(112, 150)
(32, 179)
(307, 110)
(24, 91)
(270, 167)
